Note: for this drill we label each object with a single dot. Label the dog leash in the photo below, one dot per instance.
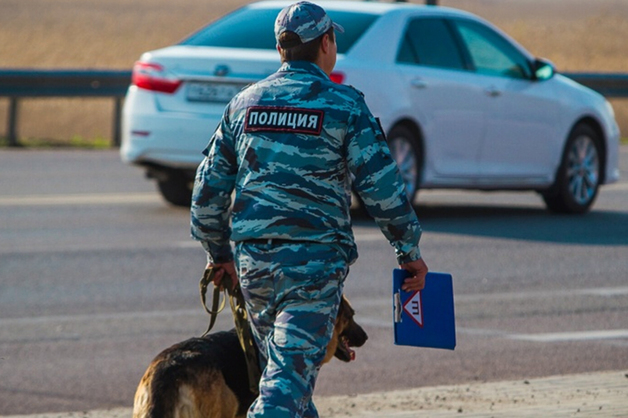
(208, 277)
(240, 317)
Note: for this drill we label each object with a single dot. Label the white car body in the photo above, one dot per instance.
(477, 131)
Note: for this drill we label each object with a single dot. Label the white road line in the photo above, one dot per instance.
(359, 237)
(34, 320)
(15, 248)
(188, 244)
(550, 337)
(375, 236)
(595, 291)
(80, 199)
(603, 291)
(374, 322)
(615, 186)
(367, 321)
(547, 294)
(149, 197)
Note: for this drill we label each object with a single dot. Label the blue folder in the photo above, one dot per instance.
(424, 318)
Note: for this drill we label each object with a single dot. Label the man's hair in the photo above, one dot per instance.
(294, 50)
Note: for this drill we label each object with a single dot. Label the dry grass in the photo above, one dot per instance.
(577, 35)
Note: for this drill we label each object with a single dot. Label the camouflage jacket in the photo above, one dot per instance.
(291, 146)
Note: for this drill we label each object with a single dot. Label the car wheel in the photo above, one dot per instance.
(176, 188)
(578, 177)
(406, 150)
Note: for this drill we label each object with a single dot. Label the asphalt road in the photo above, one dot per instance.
(97, 275)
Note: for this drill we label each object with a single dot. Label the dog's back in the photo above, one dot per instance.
(191, 380)
(207, 377)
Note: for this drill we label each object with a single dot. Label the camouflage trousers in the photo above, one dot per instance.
(292, 293)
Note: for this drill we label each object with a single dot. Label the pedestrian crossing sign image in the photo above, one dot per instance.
(424, 318)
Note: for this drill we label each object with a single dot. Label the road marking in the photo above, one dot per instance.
(480, 332)
(381, 303)
(188, 244)
(33, 320)
(80, 199)
(548, 337)
(595, 291)
(378, 321)
(551, 337)
(191, 243)
(368, 321)
(377, 236)
(615, 186)
(150, 197)
(603, 291)
(359, 237)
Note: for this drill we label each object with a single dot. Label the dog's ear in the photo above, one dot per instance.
(353, 332)
(345, 310)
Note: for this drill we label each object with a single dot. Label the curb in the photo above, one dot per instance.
(602, 394)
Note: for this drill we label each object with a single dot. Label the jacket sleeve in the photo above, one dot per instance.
(211, 197)
(378, 183)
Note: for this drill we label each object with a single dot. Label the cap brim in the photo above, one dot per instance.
(337, 27)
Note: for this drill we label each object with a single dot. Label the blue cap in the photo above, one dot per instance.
(307, 20)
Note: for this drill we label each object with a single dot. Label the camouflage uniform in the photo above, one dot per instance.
(288, 145)
(292, 146)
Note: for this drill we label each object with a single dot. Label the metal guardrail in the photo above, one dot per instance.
(20, 84)
(610, 85)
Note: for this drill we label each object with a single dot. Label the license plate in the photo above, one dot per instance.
(212, 92)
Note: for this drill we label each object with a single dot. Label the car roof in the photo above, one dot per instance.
(393, 13)
(368, 6)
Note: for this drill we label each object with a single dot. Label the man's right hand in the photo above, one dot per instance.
(418, 269)
(231, 279)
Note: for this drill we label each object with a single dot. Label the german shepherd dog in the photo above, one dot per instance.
(207, 377)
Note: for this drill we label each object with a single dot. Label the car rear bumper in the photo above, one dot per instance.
(169, 139)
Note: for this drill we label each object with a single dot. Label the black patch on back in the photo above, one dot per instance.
(284, 119)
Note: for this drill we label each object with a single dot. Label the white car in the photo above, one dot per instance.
(462, 104)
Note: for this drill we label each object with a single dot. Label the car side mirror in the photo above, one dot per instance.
(543, 69)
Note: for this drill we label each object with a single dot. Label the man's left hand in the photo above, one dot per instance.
(418, 269)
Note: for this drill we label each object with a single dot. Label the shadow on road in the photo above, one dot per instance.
(529, 224)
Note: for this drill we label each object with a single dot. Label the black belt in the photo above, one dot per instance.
(276, 241)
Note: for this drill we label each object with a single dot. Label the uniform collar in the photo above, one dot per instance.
(303, 67)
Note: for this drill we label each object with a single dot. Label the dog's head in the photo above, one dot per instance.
(347, 334)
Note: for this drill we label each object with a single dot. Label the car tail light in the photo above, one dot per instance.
(154, 77)
(337, 77)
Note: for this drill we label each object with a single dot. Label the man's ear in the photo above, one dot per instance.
(325, 43)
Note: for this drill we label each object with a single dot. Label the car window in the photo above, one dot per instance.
(430, 42)
(490, 53)
(253, 28)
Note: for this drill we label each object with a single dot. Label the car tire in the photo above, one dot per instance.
(578, 177)
(176, 188)
(406, 150)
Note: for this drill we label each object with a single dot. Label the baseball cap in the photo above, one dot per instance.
(307, 20)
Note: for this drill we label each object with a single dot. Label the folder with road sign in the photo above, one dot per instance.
(424, 318)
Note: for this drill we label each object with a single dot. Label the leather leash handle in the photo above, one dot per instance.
(243, 330)
(240, 317)
(208, 277)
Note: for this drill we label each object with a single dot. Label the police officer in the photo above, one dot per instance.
(289, 145)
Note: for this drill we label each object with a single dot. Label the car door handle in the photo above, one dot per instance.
(492, 91)
(418, 83)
